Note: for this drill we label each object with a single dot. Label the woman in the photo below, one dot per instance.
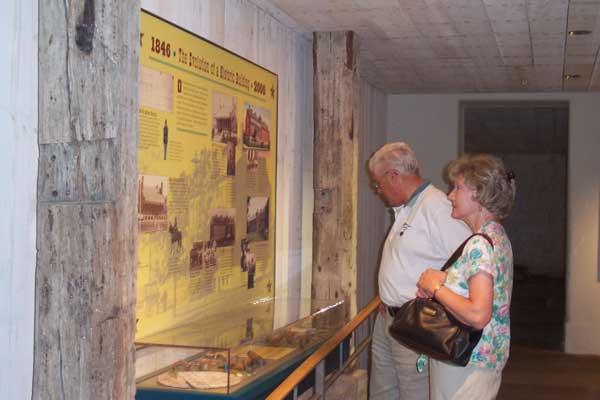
(477, 288)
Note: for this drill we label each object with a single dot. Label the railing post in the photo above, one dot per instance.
(320, 379)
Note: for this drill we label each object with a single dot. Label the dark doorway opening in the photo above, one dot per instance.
(532, 139)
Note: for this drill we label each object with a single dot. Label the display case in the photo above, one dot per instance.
(241, 359)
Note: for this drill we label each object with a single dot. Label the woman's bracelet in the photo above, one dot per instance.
(437, 287)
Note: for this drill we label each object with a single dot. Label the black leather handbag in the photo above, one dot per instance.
(426, 327)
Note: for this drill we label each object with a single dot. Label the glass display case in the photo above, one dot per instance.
(236, 356)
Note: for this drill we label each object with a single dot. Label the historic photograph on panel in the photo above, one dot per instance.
(152, 203)
(257, 131)
(156, 89)
(248, 262)
(203, 255)
(222, 226)
(257, 224)
(254, 158)
(176, 236)
(224, 112)
(231, 158)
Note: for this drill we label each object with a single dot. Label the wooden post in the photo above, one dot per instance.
(336, 112)
(87, 183)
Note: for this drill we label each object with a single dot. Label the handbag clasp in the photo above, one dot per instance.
(430, 311)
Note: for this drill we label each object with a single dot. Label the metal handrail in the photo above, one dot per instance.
(316, 360)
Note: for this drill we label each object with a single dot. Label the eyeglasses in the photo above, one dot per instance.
(375, 185)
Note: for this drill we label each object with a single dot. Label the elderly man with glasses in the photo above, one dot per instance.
(422, 236)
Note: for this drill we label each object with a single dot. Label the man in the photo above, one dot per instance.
(165, 139)
(423, 236)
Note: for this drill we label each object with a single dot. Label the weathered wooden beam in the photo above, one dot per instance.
(87, 184)
(336, 113)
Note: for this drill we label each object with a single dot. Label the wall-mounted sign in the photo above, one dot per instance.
(206, 195)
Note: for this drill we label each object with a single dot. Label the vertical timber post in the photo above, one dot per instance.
(87, 184)
(336, 112)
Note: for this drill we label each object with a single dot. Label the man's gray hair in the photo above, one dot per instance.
(398, 156)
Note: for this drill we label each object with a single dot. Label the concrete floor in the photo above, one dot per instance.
(533, 374)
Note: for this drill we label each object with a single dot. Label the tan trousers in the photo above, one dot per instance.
(450, 382)
(394, 373)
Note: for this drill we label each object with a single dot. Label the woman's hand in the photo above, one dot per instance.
(429, 280)
(474, 310)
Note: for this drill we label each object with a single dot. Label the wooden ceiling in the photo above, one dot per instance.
(451, 46)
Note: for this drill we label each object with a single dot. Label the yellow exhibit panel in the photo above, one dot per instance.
(206, 184)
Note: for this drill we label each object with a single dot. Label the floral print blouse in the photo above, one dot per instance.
(493, 348)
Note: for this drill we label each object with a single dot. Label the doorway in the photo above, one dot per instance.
(532, 139)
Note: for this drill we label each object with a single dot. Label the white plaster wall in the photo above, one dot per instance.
(373, 220)
(372, 214)
(430, 123)
(262, 34)
(18, 163)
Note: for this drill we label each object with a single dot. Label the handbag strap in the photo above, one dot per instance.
(460, 248)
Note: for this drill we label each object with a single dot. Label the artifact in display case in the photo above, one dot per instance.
(248, 368)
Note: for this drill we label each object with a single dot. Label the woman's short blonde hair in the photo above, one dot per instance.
(493, 184)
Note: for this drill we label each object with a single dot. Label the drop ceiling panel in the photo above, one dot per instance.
(374, 4)
(581, 23)
(515, 51)
(484, 40)
(410, 42)
(541, 51)
(389, 18)
(548, 60)
(475, 12)
(579, 85)
(511, 40)
(548, 26)
(584, 70)
(581, 50)
(580, 60)
(467, 28)
(595, 80)
(548, 48)
(584, 9)
(348, 19)
(445, 46)
(589, 40)
(417, 55)
(437, 30)
(517, 60)
(451, 62)
(545, 9)
(506, 11)
(488, 61)
(517, 26)
(438, 15)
